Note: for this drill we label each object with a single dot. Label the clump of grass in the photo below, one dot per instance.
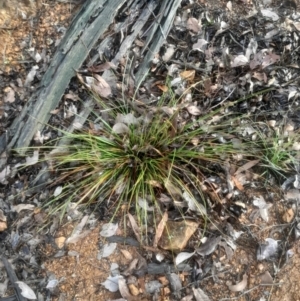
(140, 158)
(275, 147)
(126, 162)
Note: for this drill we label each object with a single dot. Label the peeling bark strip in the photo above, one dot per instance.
(91, 24)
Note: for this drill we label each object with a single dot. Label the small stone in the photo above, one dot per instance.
(126, 254)
(60, 241)
(272, 123)
(260, 267)
(163, 280)
(288, 216)
(133, 289)
(3, 226)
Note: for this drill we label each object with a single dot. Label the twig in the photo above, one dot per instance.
(250, 290)
(188, 65)
(234, 40)
(223, 100)
(13, 278)
(11, 298)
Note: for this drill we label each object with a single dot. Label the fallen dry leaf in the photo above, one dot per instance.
(9, 95)
(193, 25)
(246, 166)
(291, 195)
(193, 204)
(239, 286)
(126, 254)
(163, 88)
(109, 229)
(18, 208)
(200, 45)
(270, 59)
(288, 216)
(26, 291)
(200, 295)
(143, 203)
(57, 191)
(73, 239)
(268, 13)
(175, 282)
(228, 250)
(124, 290)
(193, 110)
(135, 227)
(169, 53)
(154, 183)
(237, 183)
(111, 283)
(128, 119)
(266, 278)
(239, 60)
(106, 250)
(229, 5)
(31, 75)
(180, 233)
(209, 246)
(263, 207)
(120, 128)
(60, 241)
(133, 289)
(34, 159)
(174, 191)
(296, 146)
(182, 256)
(160, 228)
(71, 95)
(267, 250)
(188, 75)
(101, 87)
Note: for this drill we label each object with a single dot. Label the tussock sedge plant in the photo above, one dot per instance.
(276, 147)
(131, 161)
(125, 163)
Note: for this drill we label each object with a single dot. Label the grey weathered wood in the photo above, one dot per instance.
(87, 27)
(92, 22)
(157, 36)
(162, 269)
(13, 278)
